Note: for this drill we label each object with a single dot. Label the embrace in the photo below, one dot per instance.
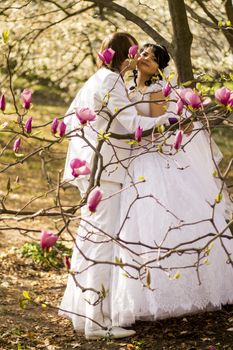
(152, 241)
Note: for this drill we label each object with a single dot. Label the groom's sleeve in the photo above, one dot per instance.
(115, 95)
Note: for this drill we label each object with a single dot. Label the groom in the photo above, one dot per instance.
(105, 92)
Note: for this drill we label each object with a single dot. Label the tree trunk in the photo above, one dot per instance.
(182, 39)
(229, 10)
(229, 32)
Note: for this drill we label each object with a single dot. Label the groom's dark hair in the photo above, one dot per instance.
(120, 42)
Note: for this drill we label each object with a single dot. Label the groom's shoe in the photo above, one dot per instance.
(113, 333)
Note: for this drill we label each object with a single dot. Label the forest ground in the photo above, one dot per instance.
(35, 327)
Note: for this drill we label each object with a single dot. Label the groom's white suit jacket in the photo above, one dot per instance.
(92, 95)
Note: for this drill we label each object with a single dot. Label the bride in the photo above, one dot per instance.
(174, 256)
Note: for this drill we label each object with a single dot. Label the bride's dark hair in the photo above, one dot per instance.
(162, 58)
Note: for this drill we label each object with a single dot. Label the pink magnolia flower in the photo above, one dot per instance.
(230, 102)
(166, 90)
(106, 56)
(26, 97)
(2, 103)
(178, 139)
(193, 99)
(138, 133)
(54, 125)
(79, 167)
(85, 115)
(133, 50)
(47, 240)
(222, 95)
(66, 261)
(179, 106)
(16, 145)
(181, 94)
(62, 129)
(94, 199)
(28, 125)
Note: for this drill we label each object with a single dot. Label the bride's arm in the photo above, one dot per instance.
(157, 108)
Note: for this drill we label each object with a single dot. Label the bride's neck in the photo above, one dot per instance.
(141, 79)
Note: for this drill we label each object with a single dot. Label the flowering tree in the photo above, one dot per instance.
(25, 140)
(34, 55)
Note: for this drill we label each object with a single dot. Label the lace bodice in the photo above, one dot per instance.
(136, 96)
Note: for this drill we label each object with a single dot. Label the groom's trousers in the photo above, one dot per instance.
(93, 251)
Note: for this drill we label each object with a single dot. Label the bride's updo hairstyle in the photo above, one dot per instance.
(162, 58)
(120, 42)
(161, 54)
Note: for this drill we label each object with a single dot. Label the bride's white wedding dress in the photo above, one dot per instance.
(174, 207)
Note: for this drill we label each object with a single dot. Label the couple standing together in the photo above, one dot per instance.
(144, 253)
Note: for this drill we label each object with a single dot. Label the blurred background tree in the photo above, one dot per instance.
(54, 43)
